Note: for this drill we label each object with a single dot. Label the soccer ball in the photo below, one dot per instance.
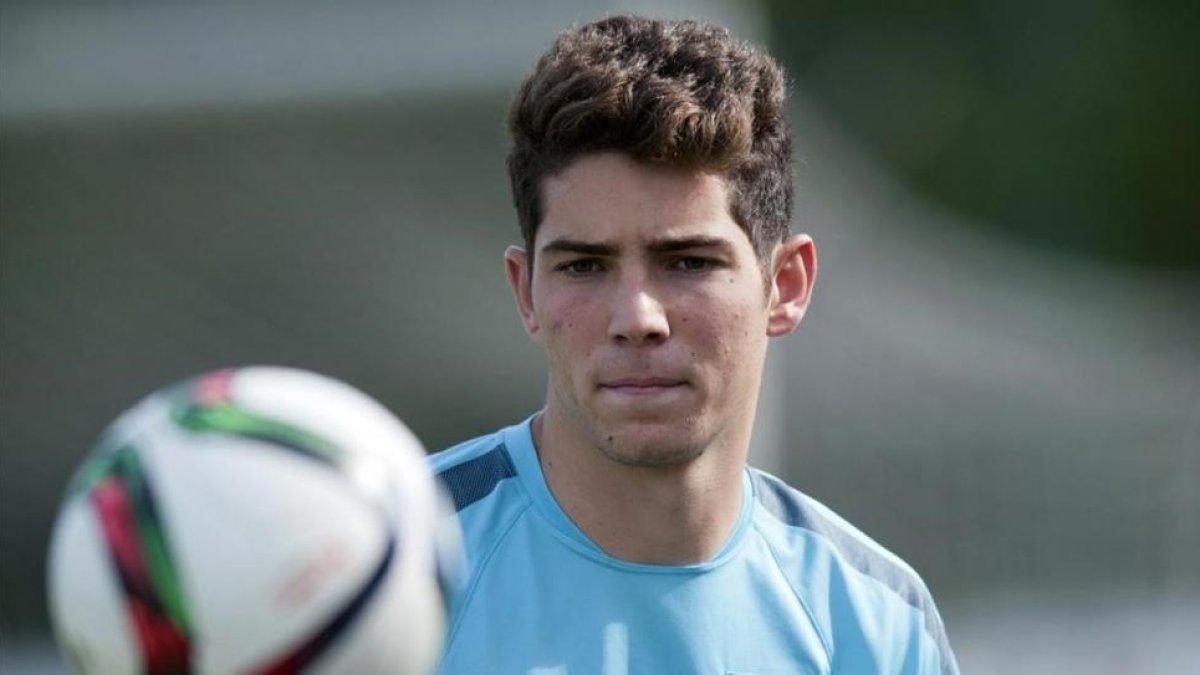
(253, 520)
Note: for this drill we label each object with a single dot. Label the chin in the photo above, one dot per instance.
(651, 449)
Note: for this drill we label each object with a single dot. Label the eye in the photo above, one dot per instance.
(580, 268)
(691, 263)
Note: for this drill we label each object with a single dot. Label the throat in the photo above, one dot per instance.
(670, 515)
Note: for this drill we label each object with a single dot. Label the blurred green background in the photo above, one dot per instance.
(999, 378)
(1068, 124)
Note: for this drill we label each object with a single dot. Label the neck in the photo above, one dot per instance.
(667, 515)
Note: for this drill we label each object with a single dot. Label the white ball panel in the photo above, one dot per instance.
(399, 633)
(87, 603)
(268, 543)
(348, 417)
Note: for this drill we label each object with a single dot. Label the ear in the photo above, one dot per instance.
(517, 266)
(794, 273)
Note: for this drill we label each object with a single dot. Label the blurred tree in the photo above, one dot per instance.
(1071, 124)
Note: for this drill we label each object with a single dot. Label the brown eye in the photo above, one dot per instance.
(692, 264)
(580, 268)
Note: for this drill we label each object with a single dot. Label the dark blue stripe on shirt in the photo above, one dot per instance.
(475, 479)
(786, 504)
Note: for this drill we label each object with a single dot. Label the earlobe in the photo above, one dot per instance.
(520, 275)
(795, 272)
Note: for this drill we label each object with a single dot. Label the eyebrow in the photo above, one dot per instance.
(565, 245)
(688, 243)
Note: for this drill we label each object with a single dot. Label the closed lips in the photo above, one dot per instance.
(642, 383)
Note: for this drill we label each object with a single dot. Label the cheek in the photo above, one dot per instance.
(566, 324)
(729, 335)
(561, 319)
(718, 320)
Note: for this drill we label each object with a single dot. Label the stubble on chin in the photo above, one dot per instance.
(648, 453)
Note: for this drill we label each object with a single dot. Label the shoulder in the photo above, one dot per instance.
(473, 469)
(476, 476)
(855, 585)
(794, 509)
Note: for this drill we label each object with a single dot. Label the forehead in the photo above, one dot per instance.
(608, 196)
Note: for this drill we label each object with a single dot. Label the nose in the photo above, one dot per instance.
(637, 316)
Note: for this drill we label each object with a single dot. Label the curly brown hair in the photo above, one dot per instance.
(679, 93)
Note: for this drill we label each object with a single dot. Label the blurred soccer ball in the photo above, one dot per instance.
(256, 520)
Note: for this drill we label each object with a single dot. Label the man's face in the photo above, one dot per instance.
(652, 307)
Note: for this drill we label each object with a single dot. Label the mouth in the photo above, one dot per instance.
(642, 386)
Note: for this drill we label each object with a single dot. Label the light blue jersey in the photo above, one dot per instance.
(795, 589)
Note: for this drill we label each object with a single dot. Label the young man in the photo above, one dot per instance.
(619, 530)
